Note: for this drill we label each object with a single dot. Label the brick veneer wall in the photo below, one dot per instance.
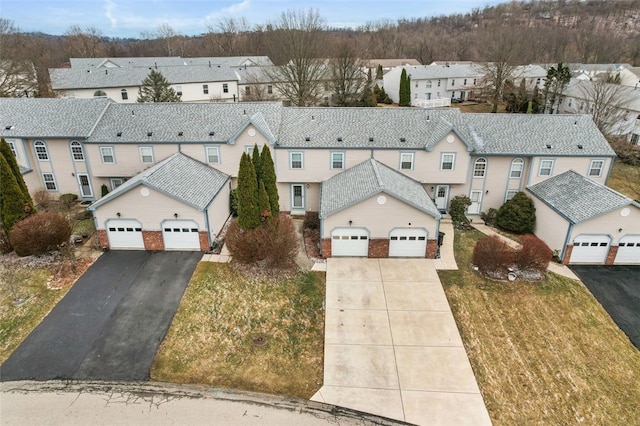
(204, 241)
(103, 239)
(153, 240)
(567, 255)
(432, 247)
(378, 248)
(613, 251)
(326, 247)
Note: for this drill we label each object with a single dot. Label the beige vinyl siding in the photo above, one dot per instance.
(562, 164)
(316, 163)
(311, 195)
(60, 164)
(150, 210)
(496, 180)
(609, 224)
(550, 226)
(127, 158)
(380, 219)
(219, 211)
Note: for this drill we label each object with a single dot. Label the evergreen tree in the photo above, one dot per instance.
(535, 101)
(405, 89)
(517, 215)
(523, 97)
(269, 179)
(369, 77)
(257, 163)
(15, 168)
(556, 81)
(379, 73)
(13, 199)
(156, 88)
(264, 207)
(248, 213)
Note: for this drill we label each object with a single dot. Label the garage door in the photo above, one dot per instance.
(125, 234)
(407, 242)
(180, 235)
(350, 242)
(590, 249)
(628, 250)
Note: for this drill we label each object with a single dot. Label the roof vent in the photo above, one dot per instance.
(403, 139)
(579, 146)
(307, 139)
(312, 118)
(9, 128)
(180, 133)
(211, 133)
(370, 139)
(339, 139)
(428, 118)
(575, 123)
(133, 112)
(548, 146)
(119, 134)
(149, 133)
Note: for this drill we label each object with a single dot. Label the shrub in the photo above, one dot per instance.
(458, 208)
(233, 202)
(104, 190)
(626, 152)
(311, 221)
(5, 245)
(517, 215)
(39, 233)
(275, 243)
(493, 257)
(535, 254)
(67, 200)
(489, 216)
(43, 199)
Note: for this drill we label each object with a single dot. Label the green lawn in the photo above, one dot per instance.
(213, 337)
(543, 353)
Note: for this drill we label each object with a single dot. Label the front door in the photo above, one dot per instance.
(476, 201)
(442, 196)
(297, 197)
(85, 185)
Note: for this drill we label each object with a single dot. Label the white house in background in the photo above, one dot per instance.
(588, 72)
(630, 77)
(533, 76)
(387, 64)
(18, 79)
(194, 83)
(624, 116)
(169, 61)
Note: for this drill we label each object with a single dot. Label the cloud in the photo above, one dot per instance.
(109, 8)
(229, 10)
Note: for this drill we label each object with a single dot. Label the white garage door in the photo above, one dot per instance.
(628, 250)
(590, 249)
(125, 234)
(350, 242)
(180, 235)
(407, 242)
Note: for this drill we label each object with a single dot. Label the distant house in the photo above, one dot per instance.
(387, 64)
(630, 77)
(170, 61)
(18, 79)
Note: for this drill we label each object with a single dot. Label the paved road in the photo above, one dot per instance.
(110, 324)
(617, 288)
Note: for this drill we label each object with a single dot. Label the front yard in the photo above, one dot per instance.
(246, 331)
(545, 352)
(625, 178)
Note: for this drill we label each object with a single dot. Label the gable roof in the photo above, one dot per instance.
(49, 117)
(626, 97)
(577, 198)
(175, 177)
(426, 72)
(367, 179)
(131, 62)
(195, 120)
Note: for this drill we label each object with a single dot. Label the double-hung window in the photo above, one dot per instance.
(146, 154)
(49, 182)
(546, 168)
(337, 160)
(106, 152)
(517, 166)
(76, 151)
(480, 168)
(595, 168)
(213, 154)
(447, 161)
(406, 161)
(225, 88)
(296, 160)
(12, 146)
(124, 95)
(205, 89)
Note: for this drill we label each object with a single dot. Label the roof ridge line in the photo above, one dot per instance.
(376, 172)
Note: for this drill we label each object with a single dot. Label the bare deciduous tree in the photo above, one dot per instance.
(347, 77)
(84, 43)
(500, 50)
(228, 36)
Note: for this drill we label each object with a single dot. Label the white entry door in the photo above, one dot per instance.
(180, 235)
(476, 202)
(350, 242)
(297, 198)
(125, 234)
(590, 249)
(628, 250)
(442, 196)
(407, 242)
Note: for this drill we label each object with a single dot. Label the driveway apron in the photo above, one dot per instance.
(110, 324)
(392, 347)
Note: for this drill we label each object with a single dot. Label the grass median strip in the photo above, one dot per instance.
(242, 331)
(543, 352)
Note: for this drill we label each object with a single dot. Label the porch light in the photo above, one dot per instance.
(175, 215)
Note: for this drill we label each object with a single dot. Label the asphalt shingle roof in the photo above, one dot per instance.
(175, 177)
(577, 198)
(368, 179)
(49, 117)
(194, 120)
(78, 78)
(425, 72)
(131, 62)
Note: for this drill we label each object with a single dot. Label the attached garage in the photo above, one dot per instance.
(590, 249)
(125, 234)
(628, 250)
(407, 242)
(180, 235)
(352, 242)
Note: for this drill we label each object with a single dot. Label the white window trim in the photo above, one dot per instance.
(124, 94)
(113, 180)
(225, 88)
(207, 154)
(341, 154)
(480, 160)
(453, 161)
(519, 161)
(53, 180)
(143, 155)
(37, 144)
(205, 89)
(591, 168)
(112, 155)
(304, 201)
(12, 147)
(550, 167)
(77, 144)
(506, 194)
(412, 158)
(291, 154)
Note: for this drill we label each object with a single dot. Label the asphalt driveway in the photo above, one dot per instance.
(617, 288)
(110, 324)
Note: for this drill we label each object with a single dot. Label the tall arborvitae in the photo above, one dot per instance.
(257, 163)
(405, 89)
(263, 203)
(536, 108)
(5, 150)
(13, 199)
(248, 212)
(269, 179)
(379, 73)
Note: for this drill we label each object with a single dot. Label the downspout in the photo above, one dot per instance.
(206, 225)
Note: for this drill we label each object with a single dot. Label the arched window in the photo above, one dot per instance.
(516, 168)
(41, 151)
(480, 168)
(76, 151)
(124, 94)
(99, 94)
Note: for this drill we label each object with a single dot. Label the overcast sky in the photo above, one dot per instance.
(130, 18)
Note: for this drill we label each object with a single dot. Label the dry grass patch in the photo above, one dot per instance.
(212, 339)
(625, 178)
(543, 353)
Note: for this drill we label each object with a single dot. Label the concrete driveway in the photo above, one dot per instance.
(617, 288)
(392, 347)
(110, 324)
